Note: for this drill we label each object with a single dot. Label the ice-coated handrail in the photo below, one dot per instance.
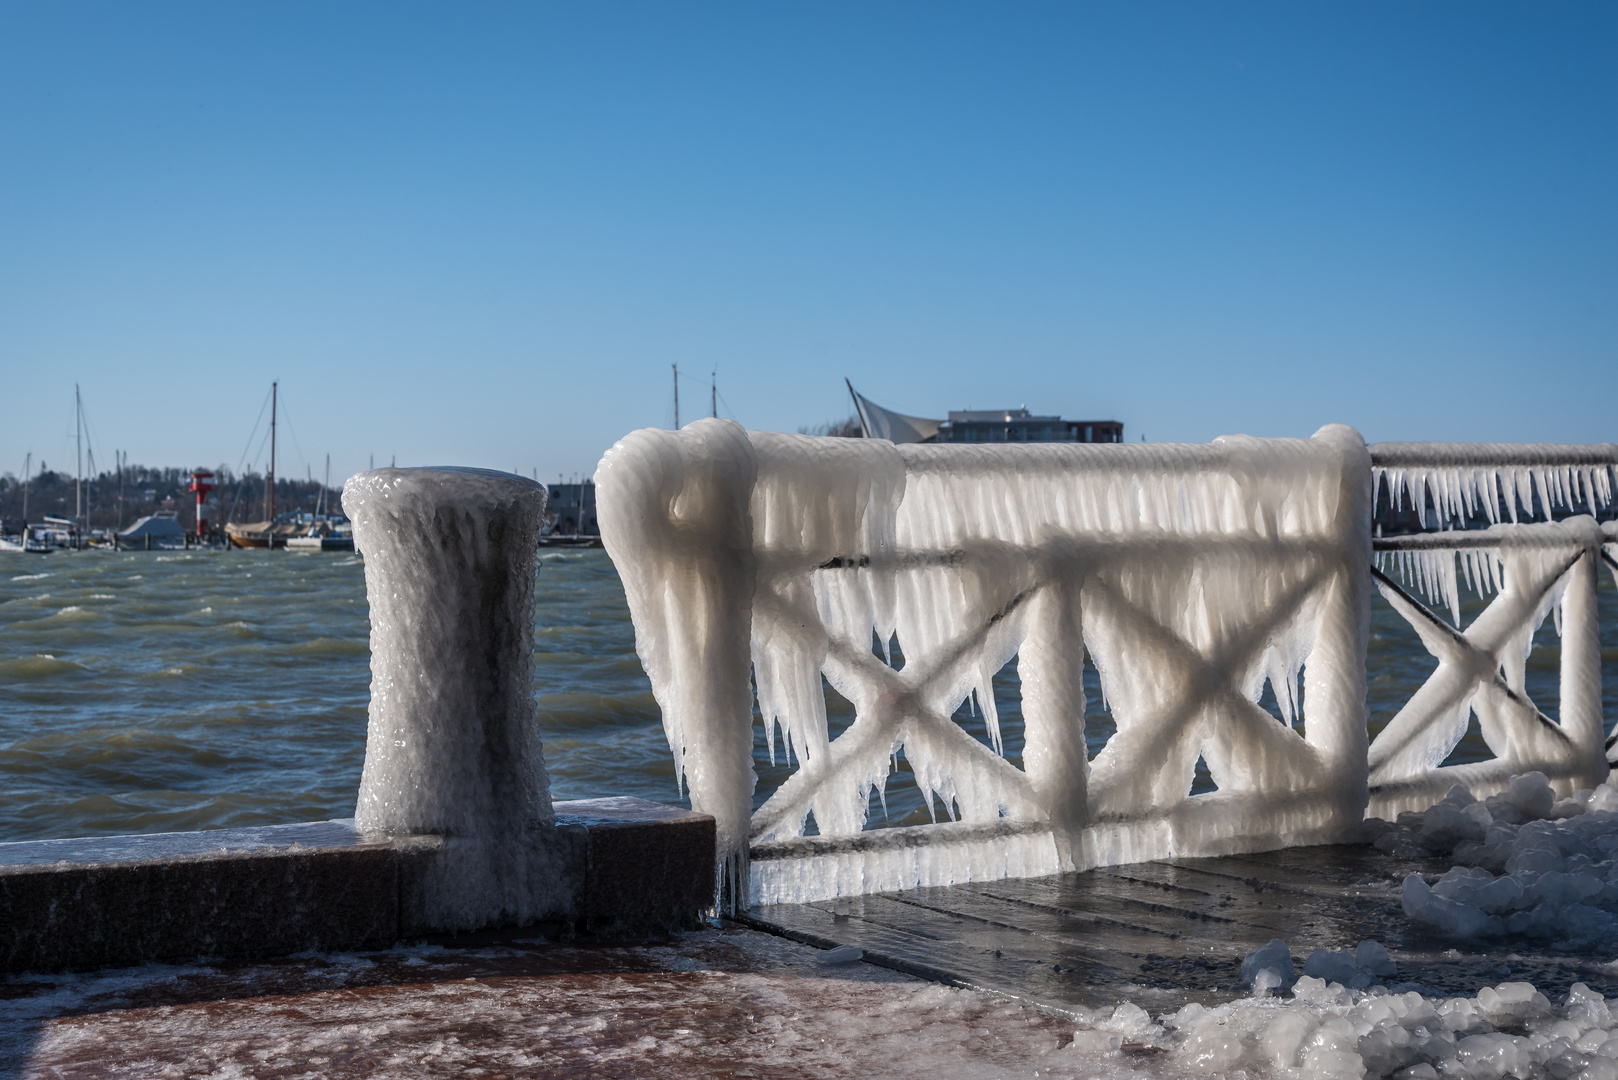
(1386, 455)
(759, 567)
(1462, 479)
(1534, 569)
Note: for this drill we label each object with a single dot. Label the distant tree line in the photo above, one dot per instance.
(118, 498)
(847, 429)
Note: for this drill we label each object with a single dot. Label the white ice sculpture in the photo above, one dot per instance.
(1193, 575)
(453, 748)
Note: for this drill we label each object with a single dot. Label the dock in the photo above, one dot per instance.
(1162, 934)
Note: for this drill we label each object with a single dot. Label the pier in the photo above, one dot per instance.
(1056, 888)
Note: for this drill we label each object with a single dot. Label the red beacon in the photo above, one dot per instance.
(202, 483)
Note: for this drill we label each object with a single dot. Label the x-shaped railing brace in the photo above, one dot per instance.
(906, 696)
(1210, 685)
(1479, 662)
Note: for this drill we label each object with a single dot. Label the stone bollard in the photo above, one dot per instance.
(452, 748)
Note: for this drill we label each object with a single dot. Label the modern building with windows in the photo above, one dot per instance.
(1019, 425)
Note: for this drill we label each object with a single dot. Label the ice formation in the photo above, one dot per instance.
(1194, 575)
(1326, 1031)
(452, 747)
(1527, 863)
(1461, 480)
(1537, 570)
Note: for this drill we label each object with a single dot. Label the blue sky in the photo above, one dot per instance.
(482, 233)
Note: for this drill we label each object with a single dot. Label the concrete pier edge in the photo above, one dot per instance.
(623, 867)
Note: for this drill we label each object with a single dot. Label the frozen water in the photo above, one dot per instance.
(1541, 570)
(1463, 479)
(1526, 864)
(1268, 968)
(452, 747)
(1330, 1030)
(760, 567)
(1195, 576)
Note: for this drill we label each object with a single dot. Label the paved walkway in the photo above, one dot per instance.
(734, 1002)
(719, 1003)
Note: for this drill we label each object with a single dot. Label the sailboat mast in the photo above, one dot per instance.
(676, 397)
(713, 386)
(28, 467)
(270, 492)
(78, 454)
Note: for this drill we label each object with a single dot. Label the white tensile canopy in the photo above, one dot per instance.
(880, 423)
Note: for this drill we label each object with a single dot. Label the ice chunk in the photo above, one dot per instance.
(842, 954)
(1604, 799)
(1372, 957)
(1446, 916)
(1268, 968)
(1457, 818)
(1335, 966)
(1282, 1040)
(1528, 797)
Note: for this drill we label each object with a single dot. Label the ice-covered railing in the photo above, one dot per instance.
(1455, 481)
(1537, 567)
(1193, 575)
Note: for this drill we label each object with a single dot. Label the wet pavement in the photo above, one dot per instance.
(1161, 934)
(726, 1002)
(734, 1002)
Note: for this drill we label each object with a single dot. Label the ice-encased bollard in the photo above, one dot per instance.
(452, 746)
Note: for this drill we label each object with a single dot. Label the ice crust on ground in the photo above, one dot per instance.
(452, 746)
(1195, 576)
(1326, 1031)
(1526, 863)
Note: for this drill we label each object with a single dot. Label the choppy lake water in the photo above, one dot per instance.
(151, 692)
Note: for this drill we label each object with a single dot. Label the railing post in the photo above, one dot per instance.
(452, 747)
(1051, 666)
(674, 510)
(1580, 707)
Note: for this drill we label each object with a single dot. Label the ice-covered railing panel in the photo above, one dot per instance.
(1537, 567)
(1498, 481)
(1194, 575)
(1534, 570)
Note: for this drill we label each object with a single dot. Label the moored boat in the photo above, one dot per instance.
(262, 534)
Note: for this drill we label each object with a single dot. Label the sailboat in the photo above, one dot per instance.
(268, 533)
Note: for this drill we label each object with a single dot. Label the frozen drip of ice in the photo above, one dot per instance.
(452, 746)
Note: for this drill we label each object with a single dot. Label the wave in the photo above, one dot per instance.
(38, 666)
(325, 646)
(30, 577)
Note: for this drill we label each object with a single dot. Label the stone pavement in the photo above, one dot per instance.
(725, 1002)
